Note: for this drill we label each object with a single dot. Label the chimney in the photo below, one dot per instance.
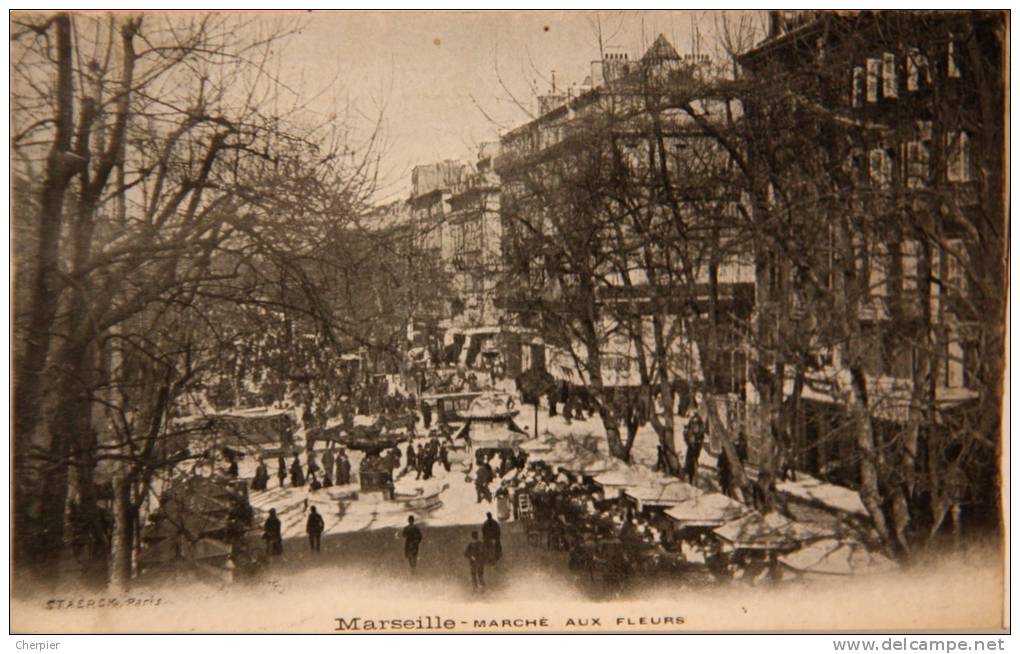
(615, 65)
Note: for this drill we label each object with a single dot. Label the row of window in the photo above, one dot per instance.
(948, 267)
(913, 159)
(879, 78)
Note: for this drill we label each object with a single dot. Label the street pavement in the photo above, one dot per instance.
(378, 554)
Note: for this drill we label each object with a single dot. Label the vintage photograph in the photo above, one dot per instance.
(509, 321)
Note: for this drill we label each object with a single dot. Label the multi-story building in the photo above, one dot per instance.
(918, 98)
(472, 251)
(561, 160)
(452, 221)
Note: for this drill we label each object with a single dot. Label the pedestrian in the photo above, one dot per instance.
(564, 392)
(725, 475)
(444, 456)
(272, 533)
(503, 508)
(491, 539)
(281, 470)
(419, 458)
(412, 540)
(297, 476)
(475, 553)
(328, 461)
(261, 480)
(426, 414)
(343, 474)
(412, 459)
(315, 527)
(660, 459)
(694, 438)
(483, 476)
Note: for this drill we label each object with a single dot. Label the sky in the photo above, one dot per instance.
(446, 81)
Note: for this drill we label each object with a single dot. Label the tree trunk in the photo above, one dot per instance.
(123, 535)
(864, 437)
(61, 166)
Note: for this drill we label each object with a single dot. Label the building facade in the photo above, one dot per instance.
(596, 156)
(912, 105)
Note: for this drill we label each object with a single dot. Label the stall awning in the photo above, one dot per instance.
(708, 510)
(502, 434)
(837, 557)
(769, 532)
(668, 494)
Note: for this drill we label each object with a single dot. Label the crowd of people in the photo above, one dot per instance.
(601, 535)
(423, 460)
(610, 537)
(334, 469)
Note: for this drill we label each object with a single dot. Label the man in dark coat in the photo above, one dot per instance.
(281, 470)
(564, 393)
(314, 528)
(427, 461)
(297, 475)
(261, 480)
(694, 438)
(725, 474)
(426, 415)
(412, 459)
(419, 458)
(412, 539)
(343, 469)
(272, 533)
(475, 553)
(444, 457)
(491, 539)
(328, 462)
(483, 476)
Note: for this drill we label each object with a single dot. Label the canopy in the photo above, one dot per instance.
(626, 477)
(502, 434)
(837, 557)
(769, 532)
(492, 405)
(708, 510)
(668, 494)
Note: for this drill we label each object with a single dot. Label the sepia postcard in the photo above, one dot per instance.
(350, 322)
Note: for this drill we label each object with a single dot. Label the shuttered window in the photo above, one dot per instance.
(890, 81)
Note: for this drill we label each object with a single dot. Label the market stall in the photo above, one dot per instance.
(831, 556)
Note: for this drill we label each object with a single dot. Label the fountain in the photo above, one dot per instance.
(374, 473)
